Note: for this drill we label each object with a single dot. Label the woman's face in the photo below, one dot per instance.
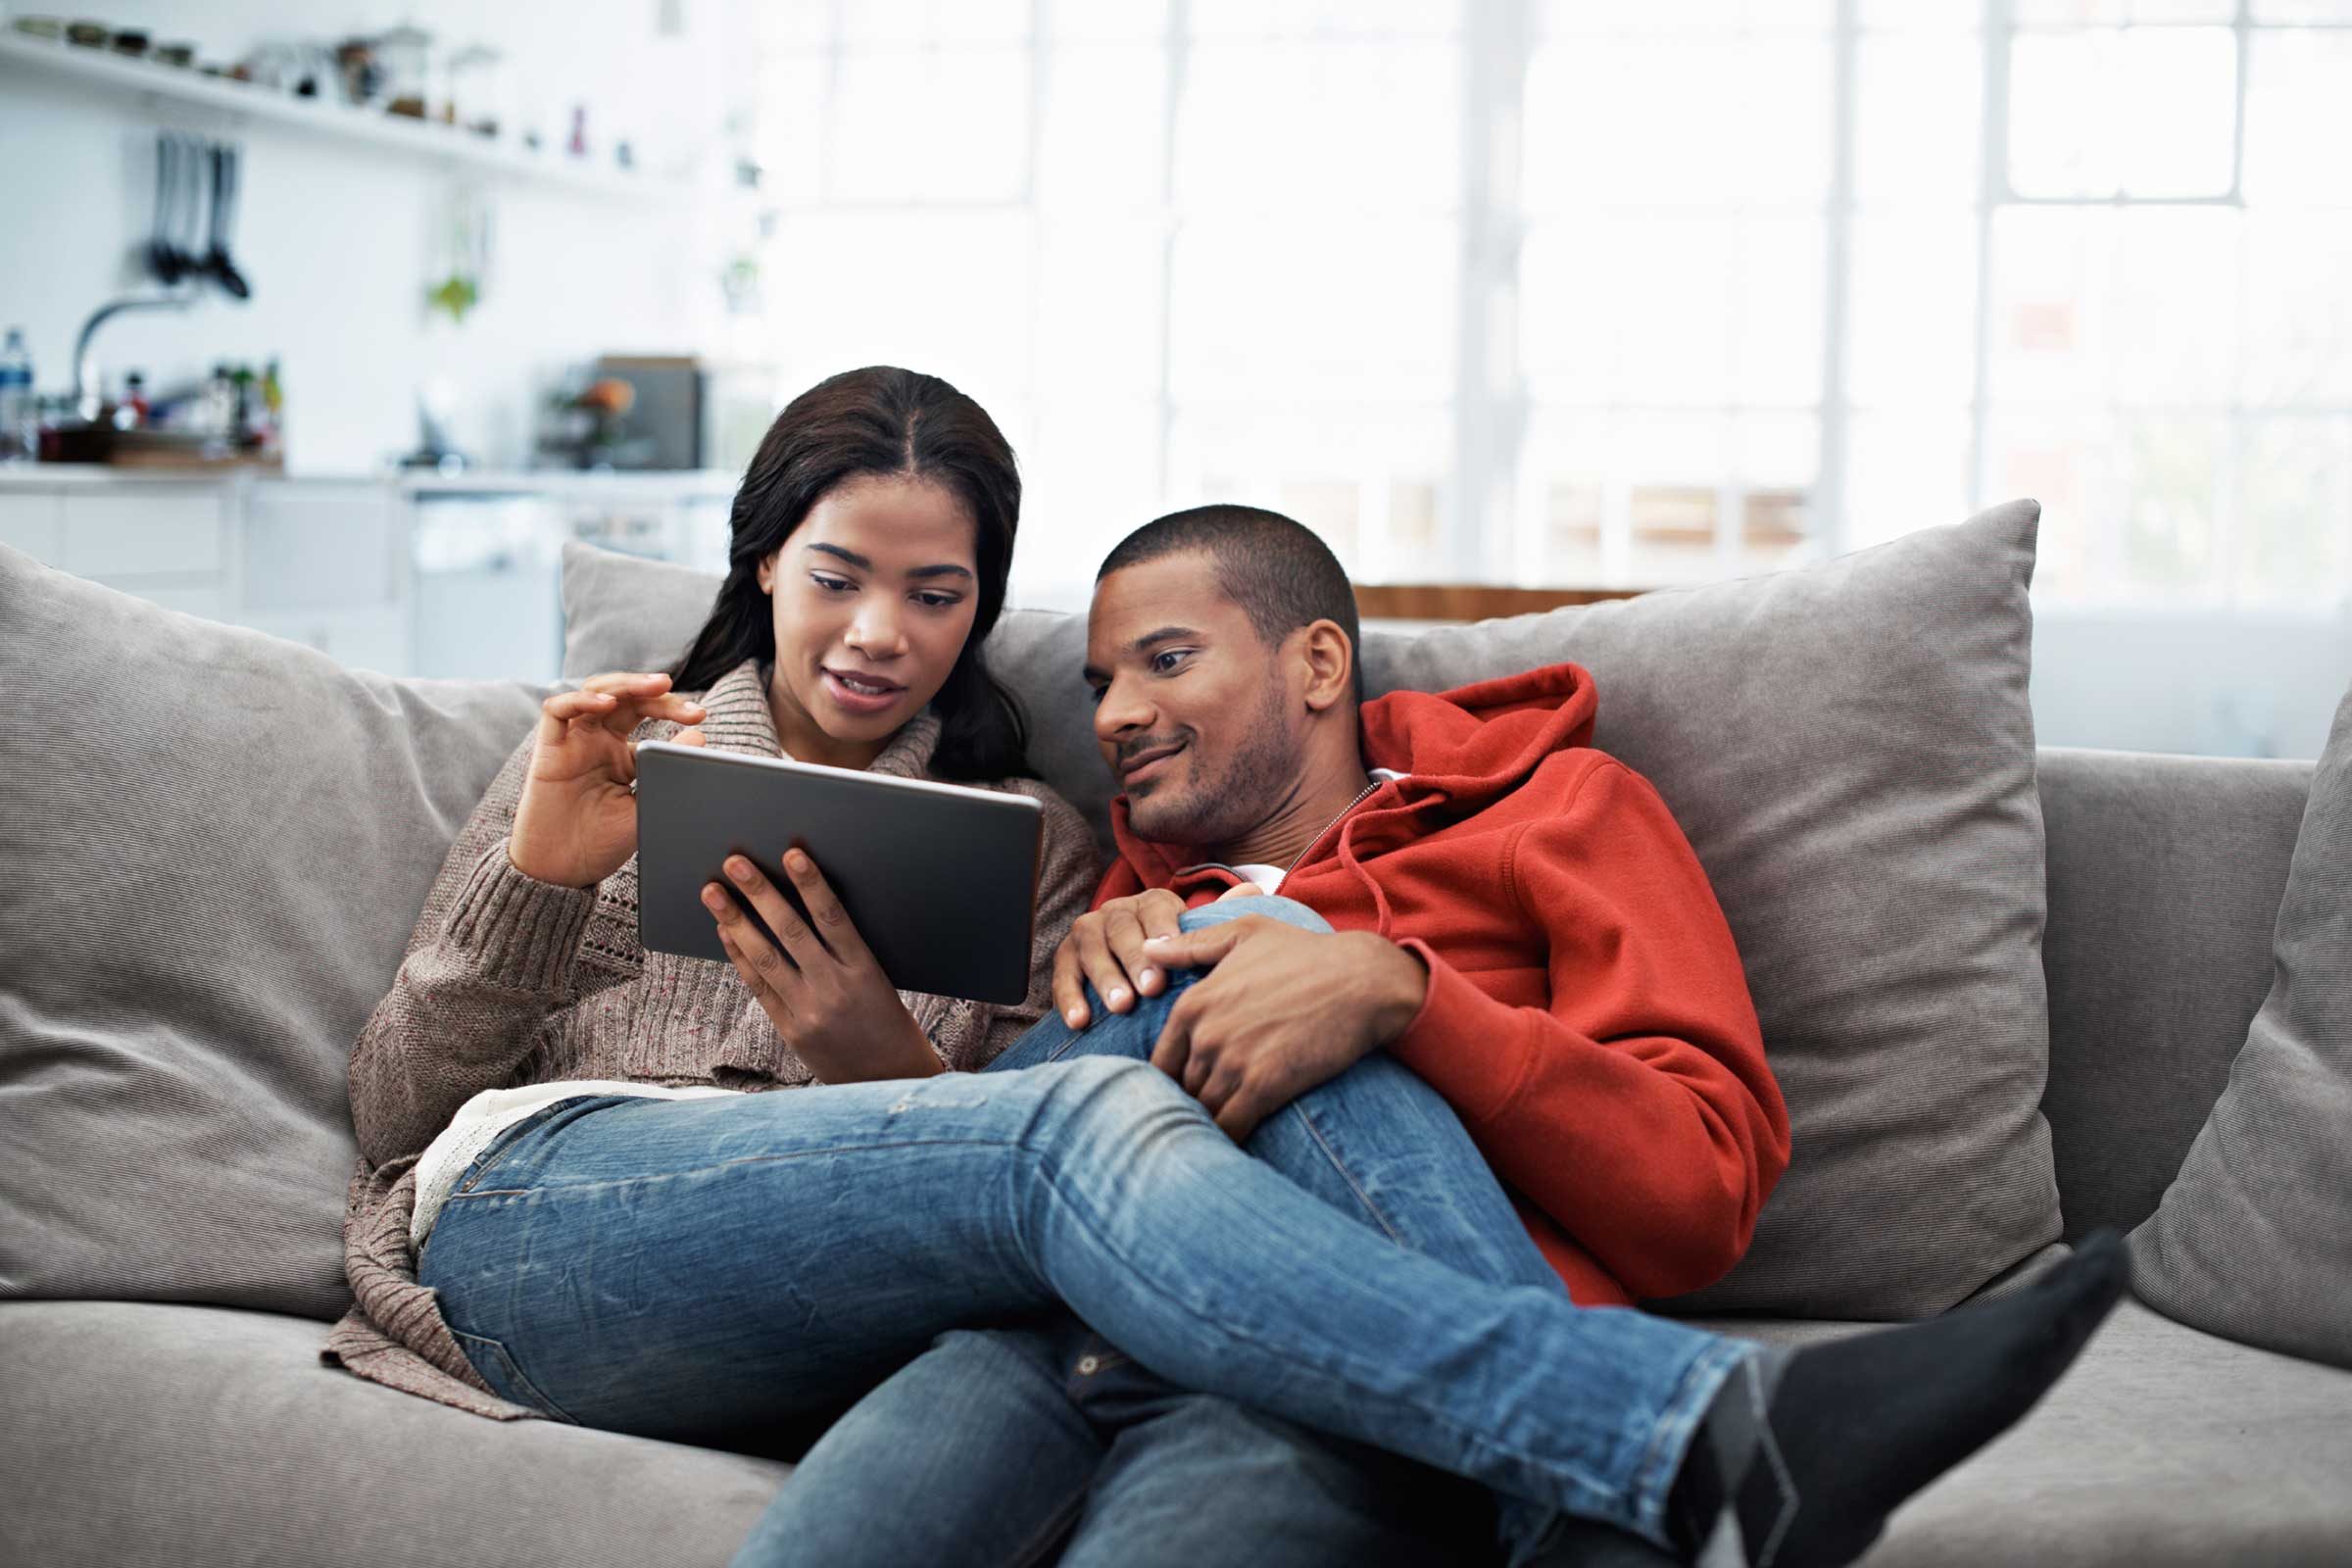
(873, 596)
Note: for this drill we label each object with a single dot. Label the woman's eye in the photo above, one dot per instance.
(831, 585)
(938, 601)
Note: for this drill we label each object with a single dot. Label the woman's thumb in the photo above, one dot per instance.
(689, 737)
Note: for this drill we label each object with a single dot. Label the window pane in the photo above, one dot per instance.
(1911, 315)
(794, 91)
(872, 289)
(1099, 307)
(1569, 332)
(2303, 10)
(1360, 476)
(1778, 274)
(1281, 127)
(2148, 111)
(1100, 148)
(2299, 118)
(931, 125)
(1905, 469)
(1267, 18)
(2067, 462)
(1674, 466)
(2050, 272)
(2171, 469)
(1090, 473)
(1776, 457)
(2298, 310)
(1919, 102)
(2174, 289)
(1347, 310)
(1108, 21)
(903, 21)
(2294, 544)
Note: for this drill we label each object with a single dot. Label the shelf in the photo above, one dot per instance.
(239, 102)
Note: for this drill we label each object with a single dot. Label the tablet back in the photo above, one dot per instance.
(940, 879)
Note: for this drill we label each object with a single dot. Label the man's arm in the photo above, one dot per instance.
(1637, 1108)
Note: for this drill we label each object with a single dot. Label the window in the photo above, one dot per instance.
(1559, 293)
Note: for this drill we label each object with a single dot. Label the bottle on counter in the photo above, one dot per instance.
(18, 410)
(132, 413)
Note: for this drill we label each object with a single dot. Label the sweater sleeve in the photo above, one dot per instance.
(1065, 877)
(1635, 1108)
(492, 955)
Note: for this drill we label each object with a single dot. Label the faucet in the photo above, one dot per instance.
(87, 400)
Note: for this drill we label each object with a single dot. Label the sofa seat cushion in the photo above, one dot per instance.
(137, 1432)
(2164, 1447)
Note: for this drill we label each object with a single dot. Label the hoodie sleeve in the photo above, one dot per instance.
(1635, 1107)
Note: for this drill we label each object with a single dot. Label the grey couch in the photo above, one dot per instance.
(161, 1396)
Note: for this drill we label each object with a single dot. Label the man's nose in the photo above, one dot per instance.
(1121, 711)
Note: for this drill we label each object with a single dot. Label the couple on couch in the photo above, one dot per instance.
(1268, 1229)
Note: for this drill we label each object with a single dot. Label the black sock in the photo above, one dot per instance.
(1805, 1454)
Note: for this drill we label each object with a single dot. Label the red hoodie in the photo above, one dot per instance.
(1588, 1016)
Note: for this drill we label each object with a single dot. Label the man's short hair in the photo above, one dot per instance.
(1281, 574)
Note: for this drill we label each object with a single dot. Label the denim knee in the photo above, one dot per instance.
(1290, 911)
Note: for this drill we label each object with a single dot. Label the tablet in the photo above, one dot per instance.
(940, 879)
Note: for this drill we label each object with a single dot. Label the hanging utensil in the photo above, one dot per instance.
(225, 206)
(187, 196)
(162, 260)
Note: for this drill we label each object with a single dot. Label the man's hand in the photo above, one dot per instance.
(1283, 1010)
(1105, 947)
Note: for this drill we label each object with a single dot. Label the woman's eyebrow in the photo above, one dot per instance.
(944, 569)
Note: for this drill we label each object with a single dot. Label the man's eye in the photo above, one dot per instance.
(1096, 694)
(1167, 661)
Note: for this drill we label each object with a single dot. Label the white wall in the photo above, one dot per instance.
(2208, 682)
(338, 238)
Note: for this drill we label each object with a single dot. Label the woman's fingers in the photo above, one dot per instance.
(766, 970)
(833, 923)
(778, 913)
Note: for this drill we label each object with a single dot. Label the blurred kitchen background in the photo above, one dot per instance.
(1531, 294)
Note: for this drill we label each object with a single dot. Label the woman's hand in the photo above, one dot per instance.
(576, 824)
(1105, 947)
(823, 991)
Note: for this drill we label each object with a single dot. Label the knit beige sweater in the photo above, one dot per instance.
(511, 981)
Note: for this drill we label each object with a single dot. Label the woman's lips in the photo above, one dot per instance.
(880, 700)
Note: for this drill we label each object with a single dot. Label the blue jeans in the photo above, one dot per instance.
(684, 1268)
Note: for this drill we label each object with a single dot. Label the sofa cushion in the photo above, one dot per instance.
(2165, 874)
(215, 847)
(2254, 1237)
(2163, 1447)
(137, 1432)
(1850, 751)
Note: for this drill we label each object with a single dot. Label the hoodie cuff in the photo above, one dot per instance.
(520, 934)
(1457, 1043)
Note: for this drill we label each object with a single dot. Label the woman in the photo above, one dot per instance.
(658, 1246)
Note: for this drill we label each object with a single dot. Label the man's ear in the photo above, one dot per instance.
(1330, 665)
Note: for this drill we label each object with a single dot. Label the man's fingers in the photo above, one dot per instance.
(1101, 969)
(1197, 950)
(1240, 1113)
(1159, 912)
(1175, 1042)
(1124, 935)
(1069, 988)
(1199, 1070)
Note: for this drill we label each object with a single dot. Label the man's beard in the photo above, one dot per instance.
(1222, 810)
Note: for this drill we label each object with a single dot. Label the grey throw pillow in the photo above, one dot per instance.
(1850, 751)
(2253, 1238)
(214, 849)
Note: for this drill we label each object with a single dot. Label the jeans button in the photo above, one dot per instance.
(1088, 1366)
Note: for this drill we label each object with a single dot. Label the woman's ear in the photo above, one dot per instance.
(1330, 665)
(767, 572)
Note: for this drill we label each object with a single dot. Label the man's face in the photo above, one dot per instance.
(1192, 712)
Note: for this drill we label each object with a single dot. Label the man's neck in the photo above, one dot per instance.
(1313, 804)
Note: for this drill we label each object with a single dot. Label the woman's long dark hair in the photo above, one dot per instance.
(878, 421)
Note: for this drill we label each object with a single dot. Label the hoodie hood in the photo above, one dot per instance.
(1460, 751)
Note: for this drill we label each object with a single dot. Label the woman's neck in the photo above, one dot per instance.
(805, 741)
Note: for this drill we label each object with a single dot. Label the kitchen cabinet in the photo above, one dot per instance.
(406, 574)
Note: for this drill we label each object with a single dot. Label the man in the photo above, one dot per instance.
(1486, 927)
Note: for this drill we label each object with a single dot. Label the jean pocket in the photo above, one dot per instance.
(507, 1380)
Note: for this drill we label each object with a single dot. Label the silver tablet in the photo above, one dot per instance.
(940, 879)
